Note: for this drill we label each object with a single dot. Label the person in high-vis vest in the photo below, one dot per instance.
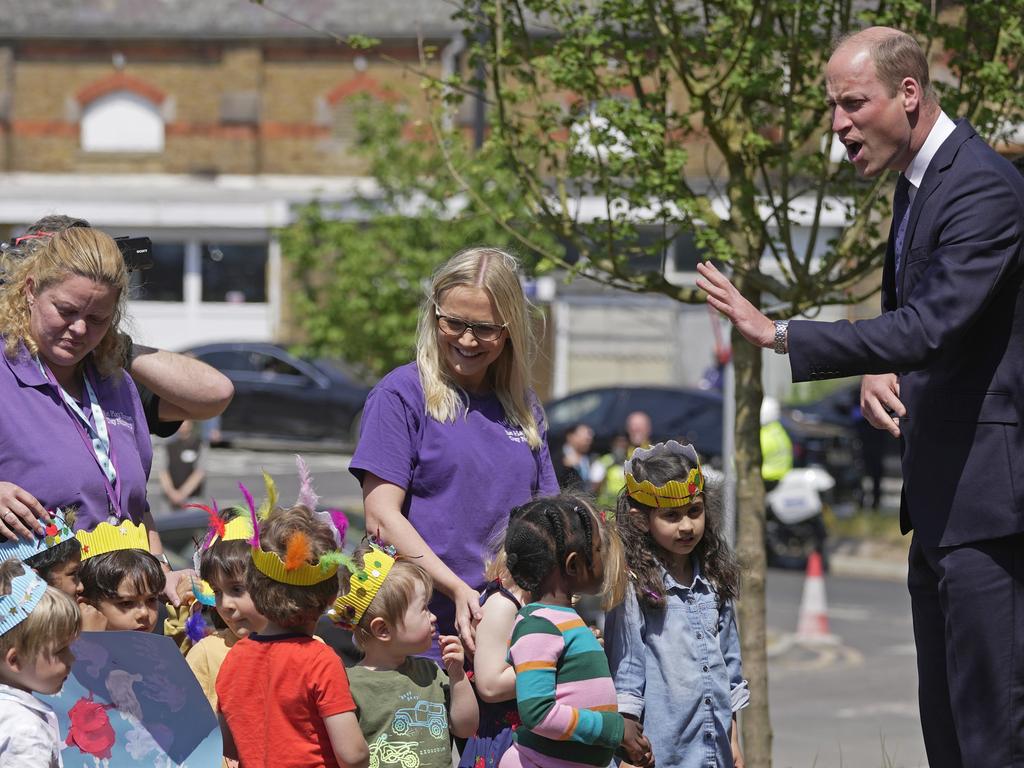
(776, 447)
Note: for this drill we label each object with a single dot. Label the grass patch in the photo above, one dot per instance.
(870, 524)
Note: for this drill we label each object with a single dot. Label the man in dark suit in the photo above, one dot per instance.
(946, 359)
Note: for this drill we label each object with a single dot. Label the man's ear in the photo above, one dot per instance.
(911, 91)
(379, 629)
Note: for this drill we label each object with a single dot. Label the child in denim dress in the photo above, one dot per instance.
(673, 646)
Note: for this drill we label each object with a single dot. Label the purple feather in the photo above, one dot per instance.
(255, 540)
(340, 524)
(195, 627)
(307, 496)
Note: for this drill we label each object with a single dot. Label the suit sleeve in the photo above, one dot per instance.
(979, 244)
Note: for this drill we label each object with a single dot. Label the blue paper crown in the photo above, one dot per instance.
(56, 532)
(26, 592)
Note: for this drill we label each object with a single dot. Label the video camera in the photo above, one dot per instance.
(137, 252)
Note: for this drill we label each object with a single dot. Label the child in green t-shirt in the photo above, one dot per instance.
(408, 707)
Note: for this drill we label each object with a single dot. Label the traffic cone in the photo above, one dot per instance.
(812, 626)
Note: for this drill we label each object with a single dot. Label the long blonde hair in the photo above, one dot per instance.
(75, 251)
(498, 273)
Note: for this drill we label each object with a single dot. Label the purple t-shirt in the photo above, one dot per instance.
(42, 451)
(461, 479)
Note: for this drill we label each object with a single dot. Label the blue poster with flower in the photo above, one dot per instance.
(131, 700)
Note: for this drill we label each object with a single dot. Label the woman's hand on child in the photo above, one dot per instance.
(636, 745)
(173, 579)
(20, 511)
(467, 614)
(453, 655)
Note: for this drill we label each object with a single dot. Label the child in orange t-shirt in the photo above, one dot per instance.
(283, 697)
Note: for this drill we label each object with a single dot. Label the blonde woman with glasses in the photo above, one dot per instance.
(451, 442)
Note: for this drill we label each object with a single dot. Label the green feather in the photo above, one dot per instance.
(271, 501)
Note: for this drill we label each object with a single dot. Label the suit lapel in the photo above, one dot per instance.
(932, 180)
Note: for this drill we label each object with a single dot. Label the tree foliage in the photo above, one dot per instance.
(707, 116)
(360, 269)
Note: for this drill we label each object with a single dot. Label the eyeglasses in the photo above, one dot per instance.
(453, 326)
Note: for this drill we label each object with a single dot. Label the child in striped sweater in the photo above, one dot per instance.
(564, 691)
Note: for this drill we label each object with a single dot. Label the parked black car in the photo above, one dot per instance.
(695, 416)
(279, 395)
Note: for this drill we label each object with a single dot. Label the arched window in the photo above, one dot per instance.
(122, 121)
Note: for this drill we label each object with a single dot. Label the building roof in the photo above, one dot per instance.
(225, 19)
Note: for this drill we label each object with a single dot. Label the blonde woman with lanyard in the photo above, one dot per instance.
(452, 442)
(73, 432)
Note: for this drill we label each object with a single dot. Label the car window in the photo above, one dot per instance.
(267, 363)
(586, 407)
(229, 360)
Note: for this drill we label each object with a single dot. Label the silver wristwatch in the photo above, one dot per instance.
(781, 333)
(162, 558)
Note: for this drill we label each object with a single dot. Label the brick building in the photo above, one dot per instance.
(201, 124)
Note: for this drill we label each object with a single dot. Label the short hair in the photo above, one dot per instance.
(225, 559)
(394, 596)
(896, 55)
(55, 223)
(79, 251)
(58, 554)
(292, 605)
(53, 623)
(102, 575)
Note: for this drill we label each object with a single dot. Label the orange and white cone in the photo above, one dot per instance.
(812, 626)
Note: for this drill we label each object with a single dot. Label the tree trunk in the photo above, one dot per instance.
(750, 504)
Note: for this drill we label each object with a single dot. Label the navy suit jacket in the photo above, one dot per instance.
(955, 334)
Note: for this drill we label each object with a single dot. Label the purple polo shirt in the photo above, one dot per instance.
(42, 451)
(461, 479)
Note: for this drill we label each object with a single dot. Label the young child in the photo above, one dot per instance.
(494, 679)
(406, 705)
(673, 644)
(37, 626)
(56, 555)
(554, 549)
(283, 697)
(122, 582)
(224, 562)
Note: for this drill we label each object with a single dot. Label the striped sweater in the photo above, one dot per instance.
(564, 690)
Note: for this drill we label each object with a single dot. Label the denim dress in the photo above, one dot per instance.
(678, 670)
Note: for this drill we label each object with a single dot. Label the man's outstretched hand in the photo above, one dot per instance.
(723, 296)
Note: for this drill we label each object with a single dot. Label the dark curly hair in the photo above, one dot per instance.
(542, 533)
(717, 562)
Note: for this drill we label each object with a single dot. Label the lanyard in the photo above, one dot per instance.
(94, 434)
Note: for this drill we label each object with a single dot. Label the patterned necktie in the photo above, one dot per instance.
(900, 214)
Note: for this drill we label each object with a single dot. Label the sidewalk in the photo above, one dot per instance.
(871, 559)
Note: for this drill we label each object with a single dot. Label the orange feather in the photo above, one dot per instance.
(298, 552)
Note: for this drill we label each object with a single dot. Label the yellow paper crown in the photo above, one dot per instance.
(113, 538)
(272, 566)
(238, 528)
(364, 585)
(674, 493)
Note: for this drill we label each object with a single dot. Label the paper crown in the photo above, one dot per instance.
(26, 592)
(56, 532)
(106, 538)
(364, 585)
(674, 493)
